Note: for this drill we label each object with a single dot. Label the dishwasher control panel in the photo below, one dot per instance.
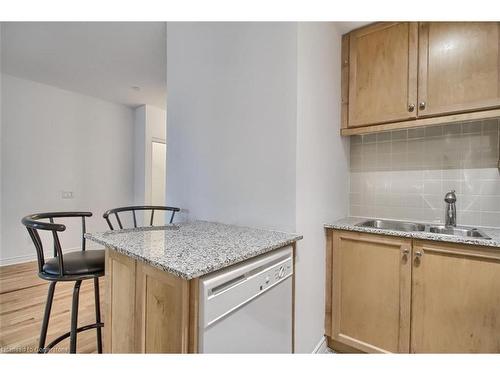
(277, 273)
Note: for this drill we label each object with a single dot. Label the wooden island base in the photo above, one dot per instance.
(148, 310)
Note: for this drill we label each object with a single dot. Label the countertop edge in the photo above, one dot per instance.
(202, 272)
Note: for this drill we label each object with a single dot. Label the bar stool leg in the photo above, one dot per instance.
(74, 317)
(46, 317)
(98, 314)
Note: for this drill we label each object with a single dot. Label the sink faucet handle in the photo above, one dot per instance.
(450, 197)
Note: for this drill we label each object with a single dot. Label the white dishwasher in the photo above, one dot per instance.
(247, 308)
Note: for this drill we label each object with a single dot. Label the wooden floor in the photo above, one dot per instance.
(22, 301)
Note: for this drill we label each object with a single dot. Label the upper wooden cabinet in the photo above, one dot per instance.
(458, 67)
(382, 73)
(406, 74)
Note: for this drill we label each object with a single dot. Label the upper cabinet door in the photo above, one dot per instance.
(459, 65)
(383, 73)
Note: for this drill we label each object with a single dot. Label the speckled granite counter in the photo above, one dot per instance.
(191, 250)
(349, 223)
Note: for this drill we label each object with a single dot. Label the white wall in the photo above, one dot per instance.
(232, 93)
(158, 173)
(55, 140)
(322, 171)
(149, 124)
(253, 138)
(1, 131)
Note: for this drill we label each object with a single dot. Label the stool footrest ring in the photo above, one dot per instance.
(66, 335)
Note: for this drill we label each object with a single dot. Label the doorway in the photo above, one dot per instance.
(158, 174)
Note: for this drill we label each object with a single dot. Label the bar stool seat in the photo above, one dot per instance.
(77, 263)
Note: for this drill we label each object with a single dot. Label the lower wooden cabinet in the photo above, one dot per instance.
(148, 310)
(455, 299)
(162, 308)
(390, 294)
(370, 280)
(119, 326)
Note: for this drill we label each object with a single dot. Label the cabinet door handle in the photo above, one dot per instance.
(411, 107)
(405, 251)
(418, 257)
(421, 105)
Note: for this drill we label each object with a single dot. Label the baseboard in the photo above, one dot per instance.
(18, 259)
(338, 347)
(321, 347)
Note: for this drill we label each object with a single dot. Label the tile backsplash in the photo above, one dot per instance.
(405, 174)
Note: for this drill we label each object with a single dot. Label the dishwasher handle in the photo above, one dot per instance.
(228, 284)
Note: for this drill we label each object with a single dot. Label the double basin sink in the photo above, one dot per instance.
(429, 228)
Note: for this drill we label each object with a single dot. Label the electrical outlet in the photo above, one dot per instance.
(67, 195)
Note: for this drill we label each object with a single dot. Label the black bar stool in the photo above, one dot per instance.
(73, 266)
(116, 211)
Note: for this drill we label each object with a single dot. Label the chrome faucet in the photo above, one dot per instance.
(450, 219)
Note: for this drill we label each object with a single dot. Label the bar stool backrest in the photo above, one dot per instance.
(34, 223)
(116, 211)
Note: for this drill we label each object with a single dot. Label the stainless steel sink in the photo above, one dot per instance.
(393, 225)
(404, 226)
(458, 231)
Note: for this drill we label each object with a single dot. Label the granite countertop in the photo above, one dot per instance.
(349, 223)
(194, 249)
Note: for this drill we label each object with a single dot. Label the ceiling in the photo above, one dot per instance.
(122, 62)
(345, 27)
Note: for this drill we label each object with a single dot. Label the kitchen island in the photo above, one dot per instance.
(152, 279)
